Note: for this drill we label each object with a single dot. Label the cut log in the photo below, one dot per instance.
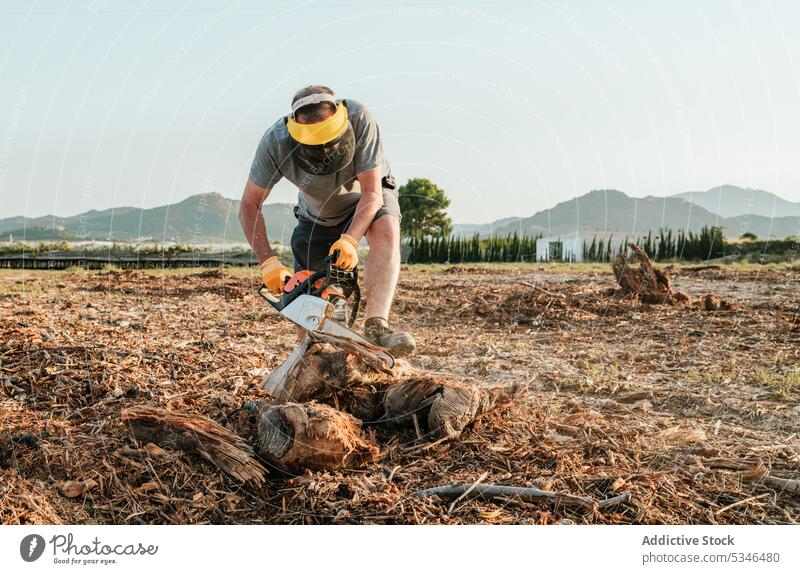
(195, 434)
(648, 283)
(443, 408)
(314, 370)
(299, 436)
(341, 378)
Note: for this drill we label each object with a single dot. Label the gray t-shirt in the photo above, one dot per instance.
(327, 199)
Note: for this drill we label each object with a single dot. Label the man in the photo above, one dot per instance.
(331, 150)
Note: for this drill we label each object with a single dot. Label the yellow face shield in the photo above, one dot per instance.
(321, 132)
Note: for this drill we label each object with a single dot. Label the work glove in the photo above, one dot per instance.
(274, 274)
(348, 252)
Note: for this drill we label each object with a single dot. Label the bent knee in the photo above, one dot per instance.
(385, 230)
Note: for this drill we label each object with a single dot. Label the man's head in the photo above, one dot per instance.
(321, 127)
(313, 113)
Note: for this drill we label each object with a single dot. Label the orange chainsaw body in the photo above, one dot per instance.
(300, 276)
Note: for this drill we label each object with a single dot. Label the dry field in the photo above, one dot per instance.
(694, 412)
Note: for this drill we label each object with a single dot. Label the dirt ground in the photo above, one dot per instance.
(696, 413)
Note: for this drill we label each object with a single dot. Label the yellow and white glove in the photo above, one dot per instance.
(274, 274)
(348, 252)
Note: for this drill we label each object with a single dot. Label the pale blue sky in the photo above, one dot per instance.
(510, 106)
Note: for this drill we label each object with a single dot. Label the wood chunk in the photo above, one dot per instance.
(445, 407)
(312, 436)
(75, 488)
(711, 302)
(296, 380)
(196, 434)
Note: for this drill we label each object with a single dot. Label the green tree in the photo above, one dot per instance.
(424, 208)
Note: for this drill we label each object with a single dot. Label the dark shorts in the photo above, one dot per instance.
(312, 241)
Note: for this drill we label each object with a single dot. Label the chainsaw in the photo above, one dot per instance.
(311, 299)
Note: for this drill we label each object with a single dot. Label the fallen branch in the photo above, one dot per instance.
(487, 491)
(466, 492)
(621, 498)
(741, 502)
(700, 268)
(542, 290)
(782, 484)
(756, 472)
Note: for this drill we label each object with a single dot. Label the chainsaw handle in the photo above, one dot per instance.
(330, 260)
(267, 295)
(279, 303)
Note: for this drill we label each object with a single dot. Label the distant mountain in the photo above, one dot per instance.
(210, 218)
(609, 210)
(483, 229)
(40, 234)
(199, 219)
(606, 211)
(763, 227)
(733, 201)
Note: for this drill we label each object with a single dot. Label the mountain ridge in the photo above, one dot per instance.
(607, 211)
(733, 201)
(212, 218)
(201, 218)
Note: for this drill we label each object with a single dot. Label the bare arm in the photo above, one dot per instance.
(252, 221)
(369, 204)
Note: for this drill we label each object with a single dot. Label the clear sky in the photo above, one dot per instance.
(510, 106)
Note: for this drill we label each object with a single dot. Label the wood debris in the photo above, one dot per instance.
(200, 435)
(647, 282)
(73, 358)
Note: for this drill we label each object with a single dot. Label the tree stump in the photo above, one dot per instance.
(648, 283)
(432, 405)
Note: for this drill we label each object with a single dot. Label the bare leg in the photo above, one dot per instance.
(382, 267)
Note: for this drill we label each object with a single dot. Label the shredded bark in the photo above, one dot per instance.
(192, 433)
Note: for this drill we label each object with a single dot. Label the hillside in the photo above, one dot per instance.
(733, 201)
(605, 210)
(610, 211)
(39, 234)
(211, 218)
(203, 218)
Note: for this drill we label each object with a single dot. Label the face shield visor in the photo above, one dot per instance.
(325, 147)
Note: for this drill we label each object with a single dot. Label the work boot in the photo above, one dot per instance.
(378, 332)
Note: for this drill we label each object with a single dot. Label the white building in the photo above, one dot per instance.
(569, 246)
(564, 247)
